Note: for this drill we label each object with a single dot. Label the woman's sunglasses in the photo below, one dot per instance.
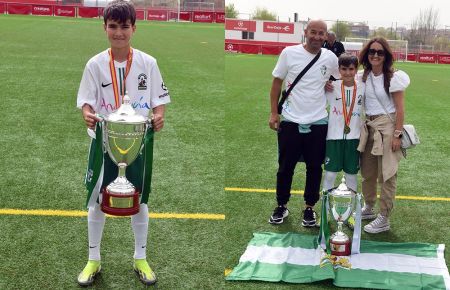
(379, 52)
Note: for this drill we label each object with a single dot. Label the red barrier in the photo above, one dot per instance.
(411, 57)
(220, 17)
(231, 47)
(45, 7)
(427, 57)
(185, 16)
(269, 49)
(66, 11)
(200, 16)
(157, 15)
(249, 48)
(88, 12)
(14, 8)
(140, 14)
(42, 10)
(444, 58)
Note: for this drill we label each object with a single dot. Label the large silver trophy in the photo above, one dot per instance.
(123, 134)
(342, 203)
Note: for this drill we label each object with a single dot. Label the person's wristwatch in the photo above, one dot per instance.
(398, 134)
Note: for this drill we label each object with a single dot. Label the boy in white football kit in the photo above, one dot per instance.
(106, 78)
(344, 124)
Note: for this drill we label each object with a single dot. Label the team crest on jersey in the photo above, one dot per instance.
(164, 88)
(323, 69)
(327, 160)
(142, 82)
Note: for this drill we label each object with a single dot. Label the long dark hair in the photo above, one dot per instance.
(388, 70)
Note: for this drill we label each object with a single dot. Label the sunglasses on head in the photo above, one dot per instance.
(379, 52)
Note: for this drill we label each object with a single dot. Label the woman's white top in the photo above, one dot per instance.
(399, 82)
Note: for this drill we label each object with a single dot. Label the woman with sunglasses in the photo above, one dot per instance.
(382, 131)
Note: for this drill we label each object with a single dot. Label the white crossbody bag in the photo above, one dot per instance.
(409, 135)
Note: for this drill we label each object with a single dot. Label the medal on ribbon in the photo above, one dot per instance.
(112, 70)
(347, 114)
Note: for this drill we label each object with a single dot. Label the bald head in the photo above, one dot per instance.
(316, 34)
(316, 24)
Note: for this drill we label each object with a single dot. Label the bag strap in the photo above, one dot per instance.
(300, 75)
(379, 101)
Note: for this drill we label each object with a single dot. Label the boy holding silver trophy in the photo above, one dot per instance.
(108, 77)
(346, 101)
(344, 124)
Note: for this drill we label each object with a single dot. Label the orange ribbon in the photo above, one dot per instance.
(112, 70)
(348, 115)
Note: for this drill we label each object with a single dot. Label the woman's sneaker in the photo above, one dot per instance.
(279, 213)
(378, 225)
(368, 213)
(309, 217)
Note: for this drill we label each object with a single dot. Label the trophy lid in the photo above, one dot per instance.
(342, 190)
(126, 113)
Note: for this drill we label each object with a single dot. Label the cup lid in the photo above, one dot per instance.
(126, 113)
(342, 190)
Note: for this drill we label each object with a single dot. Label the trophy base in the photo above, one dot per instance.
(120, 204)
(340, 248)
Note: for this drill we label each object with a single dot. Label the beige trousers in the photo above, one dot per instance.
(371, 172)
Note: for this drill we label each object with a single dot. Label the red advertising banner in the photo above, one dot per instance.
(88, 12)
(67, 11)
(231, 47)
(42, 10)
(19, 9)
(220, 17)
(426, 57)
(185, 16)
(140, 14)
(242, 25)
(157, 15)
(200, 16)
(249, 48)
(411, 57)
(444, 58)
(2, 8)
(277, 27)
(274, 50)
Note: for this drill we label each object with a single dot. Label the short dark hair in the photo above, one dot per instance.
(120, 11)
(346, 59)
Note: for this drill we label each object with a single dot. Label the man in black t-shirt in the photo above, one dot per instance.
(332, 44)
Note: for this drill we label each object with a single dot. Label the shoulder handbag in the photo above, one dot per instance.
(409, 135)
(284, 93)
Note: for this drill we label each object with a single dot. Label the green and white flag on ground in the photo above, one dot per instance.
(297, 258)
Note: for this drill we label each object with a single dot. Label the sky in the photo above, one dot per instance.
(377, 13)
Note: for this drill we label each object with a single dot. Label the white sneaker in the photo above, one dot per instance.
(378, 225)
(367, 213)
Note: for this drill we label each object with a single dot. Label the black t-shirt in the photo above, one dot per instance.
(337, 48)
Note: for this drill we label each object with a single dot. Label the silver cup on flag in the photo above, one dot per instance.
(124, 132)
(342, 201)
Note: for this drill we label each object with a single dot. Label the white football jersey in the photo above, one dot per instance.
(144, 84)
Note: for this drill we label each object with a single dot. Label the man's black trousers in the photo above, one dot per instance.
(291, 146)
